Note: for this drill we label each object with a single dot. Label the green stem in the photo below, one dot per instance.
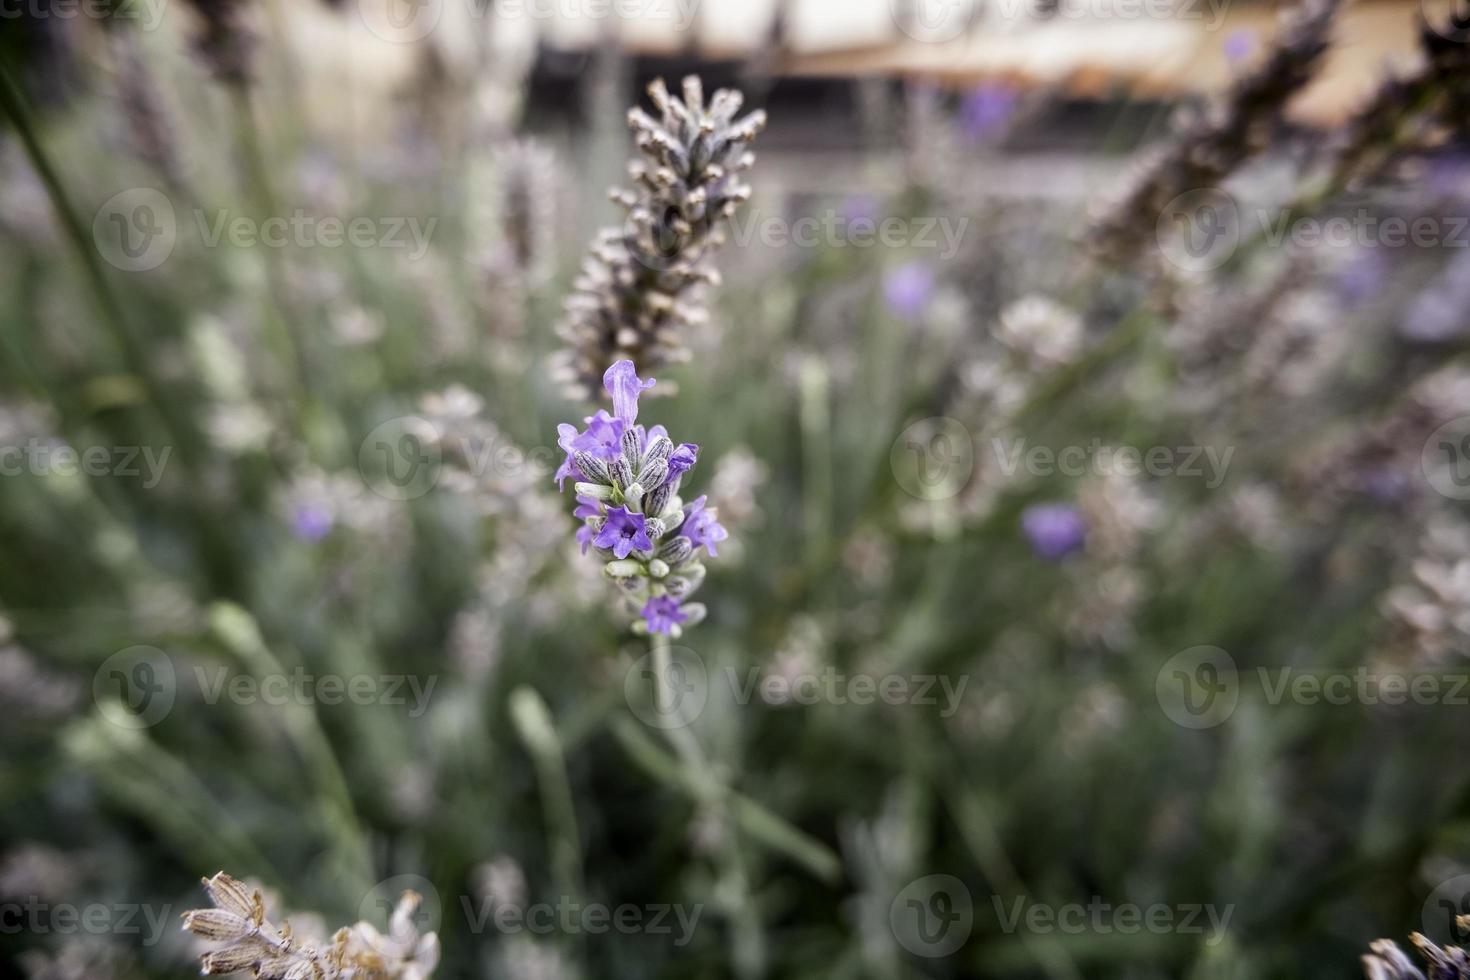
(13, 107)
(760, 823)
(533, 723)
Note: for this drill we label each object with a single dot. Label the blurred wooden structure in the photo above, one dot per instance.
(1141, 49)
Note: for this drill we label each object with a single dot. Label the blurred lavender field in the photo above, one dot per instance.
(1068, 438)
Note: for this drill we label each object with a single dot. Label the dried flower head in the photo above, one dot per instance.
(1388, 962)
(640, 285)
(1221, 138)
(627, 484)
(248, 941)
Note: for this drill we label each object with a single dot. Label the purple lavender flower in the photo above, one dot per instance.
(587, 507)
(987, 110)
(908, 289)
(628, 501)
(623, 532)
(603, 439)
(311, 522)
(662, 613)
(701, 527)
(1239, 45)
(1054, 530)
(682, 459)
(623, 384)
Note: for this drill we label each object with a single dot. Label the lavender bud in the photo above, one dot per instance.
(597, 491)
(658, 501)
(621, 473)
(654, 473)
(592, 468)
(632, 451)
(658, 568)
(676, 551)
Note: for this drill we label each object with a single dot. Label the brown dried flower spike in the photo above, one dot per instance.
(640, 286)
(252, 943)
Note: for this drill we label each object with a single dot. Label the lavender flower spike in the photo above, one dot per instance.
(627, 481)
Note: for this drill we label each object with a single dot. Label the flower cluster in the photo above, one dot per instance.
(250, 942)
(1388, 962)
(639, 287)
(627, 484)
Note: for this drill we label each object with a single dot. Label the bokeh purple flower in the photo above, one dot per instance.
(1054, 530)
(908, 289)
(987, 110)
(311, 522)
